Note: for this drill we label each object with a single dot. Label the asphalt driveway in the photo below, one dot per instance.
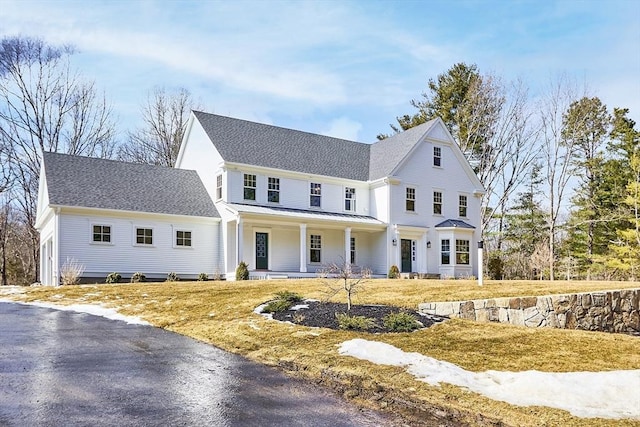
(63, 368)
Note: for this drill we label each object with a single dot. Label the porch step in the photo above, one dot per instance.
(277, 276)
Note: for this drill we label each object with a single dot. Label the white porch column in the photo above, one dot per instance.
(347, 245)
(239, 239)
(303, 248)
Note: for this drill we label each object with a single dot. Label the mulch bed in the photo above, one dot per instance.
(323, 315)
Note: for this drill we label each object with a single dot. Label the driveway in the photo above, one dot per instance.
(64, 368)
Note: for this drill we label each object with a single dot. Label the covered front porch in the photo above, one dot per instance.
(286, 243)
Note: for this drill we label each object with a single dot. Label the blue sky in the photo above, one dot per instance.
(341, 68)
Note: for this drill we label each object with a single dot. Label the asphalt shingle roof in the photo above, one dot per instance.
(388, 153)
(108, 184)
(454, 223)
(257, 144)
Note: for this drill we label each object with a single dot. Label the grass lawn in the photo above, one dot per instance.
(221, 313)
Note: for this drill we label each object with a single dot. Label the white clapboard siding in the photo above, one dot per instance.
(125, 257)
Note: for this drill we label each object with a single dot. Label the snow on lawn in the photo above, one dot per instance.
(95, 310)
(613, 394)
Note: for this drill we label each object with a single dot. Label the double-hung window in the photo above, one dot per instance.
(437, 202)
(462, 252)
(410, 200)
(218, 187)
(315, 194)
(462, 206)
(437, 156)
(102, 233)
(144, 236)
(273, 192)
(315, 248)
(445, 251)
(249, 186)
(183, 238)
(349, 199)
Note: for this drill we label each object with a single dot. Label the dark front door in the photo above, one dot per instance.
(405, 251)
(262, 251)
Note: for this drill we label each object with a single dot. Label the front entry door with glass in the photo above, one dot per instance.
(262, 251)
(405, 251)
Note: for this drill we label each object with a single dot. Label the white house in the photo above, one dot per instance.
(285, 202)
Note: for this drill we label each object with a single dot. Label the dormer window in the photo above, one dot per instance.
(349, 199)
(437, 156)
(249, 186)
(315, 195)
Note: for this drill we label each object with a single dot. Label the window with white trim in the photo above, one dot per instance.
(315, 194)
(183, 238)
(410, 200)
(462, 206)
(273, 191)
(437, 156)
(462, 252)
(249, 186)
(101, 233)
(315, 248)
(218, 187)
(349, 199)
(445, 251)
(437, 202)
(144, 236)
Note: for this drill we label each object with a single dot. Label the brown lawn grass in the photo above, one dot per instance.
(221, 313)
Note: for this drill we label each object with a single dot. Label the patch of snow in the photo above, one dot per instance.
(299, 307)
(95, 310)
(611, 394)
(11, 290)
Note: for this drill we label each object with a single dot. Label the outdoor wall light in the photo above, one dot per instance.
(395, 242)
(429, 244)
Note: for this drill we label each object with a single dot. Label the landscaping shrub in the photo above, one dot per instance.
(203, 277)
(277, 306)
(394, 272)
(282, 302)
(495, 267)
(242, 271)
(173, 277)
(113, 278)
(400, 322)
(289, 296)
(138, 277)
(360, 323)
(71, 272)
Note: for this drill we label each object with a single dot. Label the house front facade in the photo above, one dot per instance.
(286, 202)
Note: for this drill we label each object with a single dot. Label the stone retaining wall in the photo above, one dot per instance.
(608, 311)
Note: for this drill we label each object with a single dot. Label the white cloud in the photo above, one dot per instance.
(344, 128)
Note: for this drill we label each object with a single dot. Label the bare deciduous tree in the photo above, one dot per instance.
(165, 117)
(557, 153)
(502, 162)
(46, 106)
(344, 277)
